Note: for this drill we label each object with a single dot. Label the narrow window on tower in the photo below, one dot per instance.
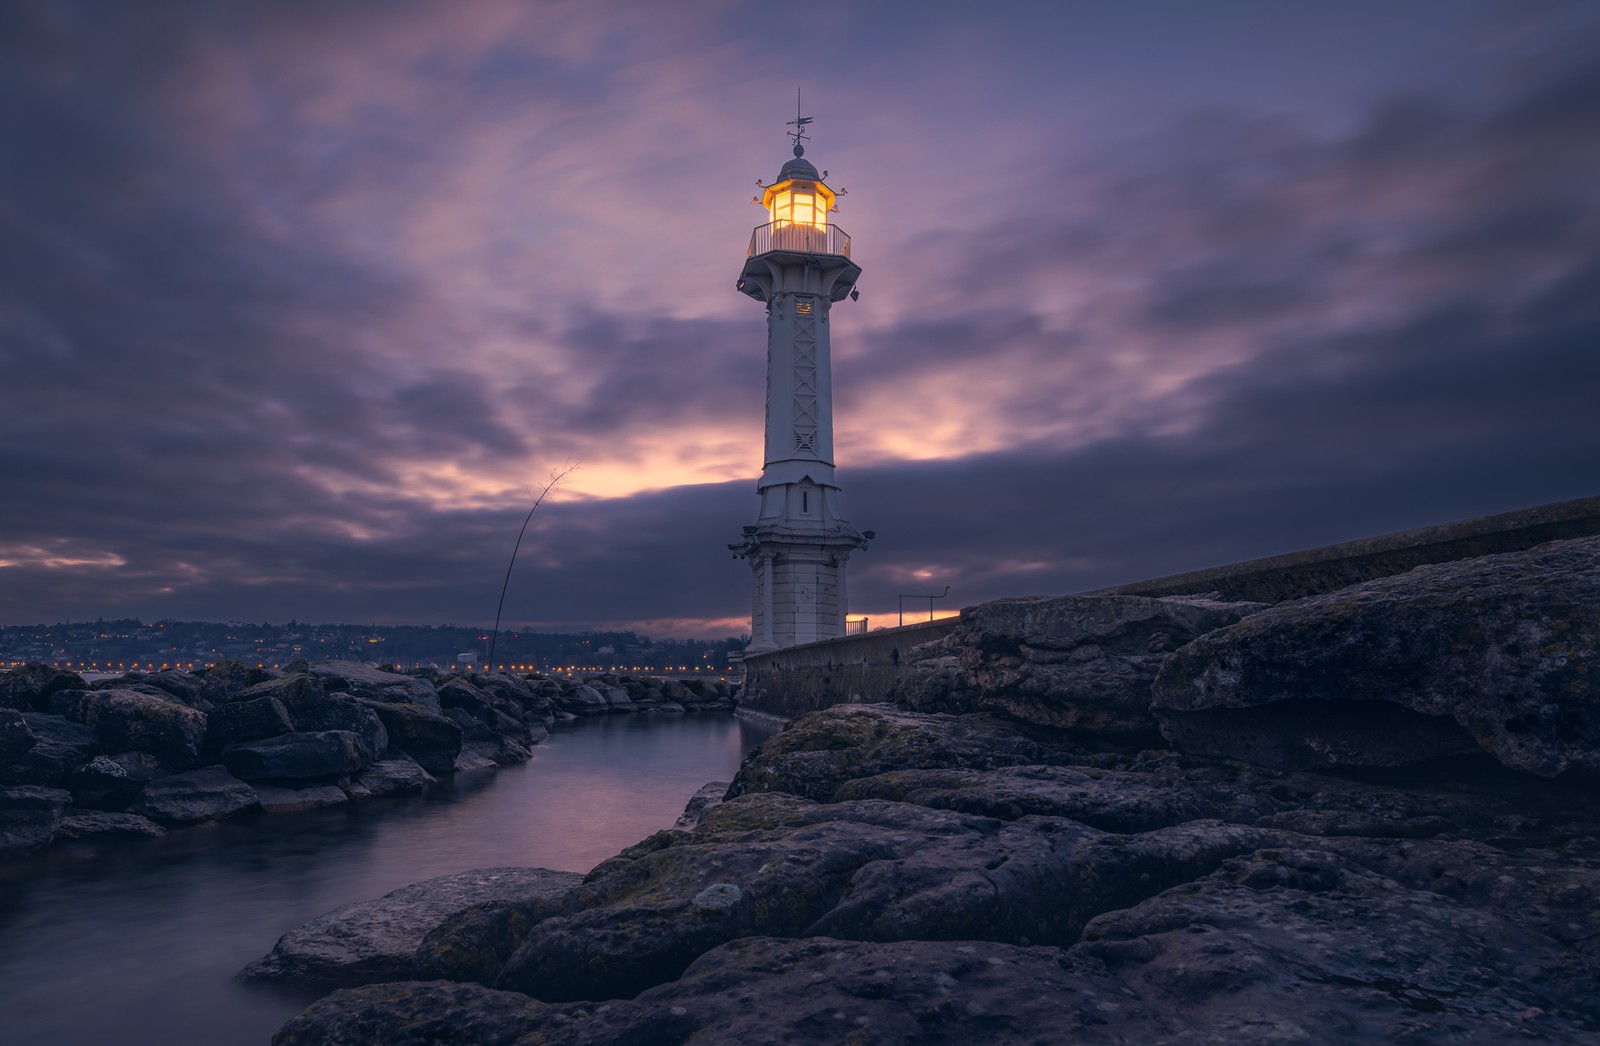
(805, 501)
(802, 306)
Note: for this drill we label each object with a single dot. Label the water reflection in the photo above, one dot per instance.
(137, 943)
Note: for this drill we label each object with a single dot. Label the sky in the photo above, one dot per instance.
(303, 301)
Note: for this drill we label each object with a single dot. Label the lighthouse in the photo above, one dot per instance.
(798, 265)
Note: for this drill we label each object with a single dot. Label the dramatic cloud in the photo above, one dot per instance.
(300, 303)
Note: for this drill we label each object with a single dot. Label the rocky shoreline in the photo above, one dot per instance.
(1364, 816)
(142, 753)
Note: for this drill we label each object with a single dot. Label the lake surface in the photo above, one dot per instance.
(138, 943)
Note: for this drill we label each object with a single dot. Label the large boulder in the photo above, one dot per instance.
(28, 689)
(323, 755)
(207, 794)
(776, 865)
(246, 720)
(311, 713)
(758, 990)
(278, 800)
(29, 816)
(421, 733)
(369, 941)
(1304, 946)
(820, 751)
(1083, 663)
(126, 719)
(59, 746)
(1499, 654)
(483, 746)
(228, 678)
(393, 776)
(16, 739)
(114, 782)
(582, 699)
(527, 695)
(289, 689)
(185, 686)
(104, 825)
(365, 681)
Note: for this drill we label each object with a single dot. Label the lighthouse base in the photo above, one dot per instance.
(797, 584)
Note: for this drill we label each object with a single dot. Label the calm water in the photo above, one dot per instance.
(138, 943)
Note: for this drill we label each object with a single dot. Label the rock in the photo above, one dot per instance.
(617, 698)
(28, 818)
(583, 700)
(482, 746)
(708, 796)
(1082, 663)
(1286, 946)
(226, 679)
(246, 720)
(16, 739)
(1544, 890)
(207, 794)
(376, 940)
(526, 695)
(339, 712)
(426, 736)
(184, 686)
(108, 826)
(59, 747)
(29, 688)
(124, 719)
(436, 1013)
(322, 755)
(290, 689)
(773, 990)
(1110, 800)
(818, 752)
(871, 870)
(1500, 653)
(389, 777)
(364, 681)
(277, 800)
(114, 782)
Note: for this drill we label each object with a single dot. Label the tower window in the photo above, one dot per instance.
(802, 306)
(805, 501)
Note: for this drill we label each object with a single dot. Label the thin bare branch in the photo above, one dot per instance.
(556, 476)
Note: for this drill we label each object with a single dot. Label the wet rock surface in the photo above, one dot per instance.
(207, 794)
(1081, 663)
(998, 865)
(376, 940)
(1499, 654)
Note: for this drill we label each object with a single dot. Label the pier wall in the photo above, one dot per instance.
(855, 669)
(850, 669)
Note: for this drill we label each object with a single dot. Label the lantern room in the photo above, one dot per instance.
(799, 196)
(798, 204)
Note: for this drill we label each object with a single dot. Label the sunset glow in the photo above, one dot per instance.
(302, 304)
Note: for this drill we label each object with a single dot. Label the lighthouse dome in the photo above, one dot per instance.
(799, 167)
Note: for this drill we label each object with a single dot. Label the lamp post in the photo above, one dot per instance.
(907, 595)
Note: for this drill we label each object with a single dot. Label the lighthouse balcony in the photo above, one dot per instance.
(799, 238)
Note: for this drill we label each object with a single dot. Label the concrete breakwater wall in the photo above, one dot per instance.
(847, 670)
(857, 669)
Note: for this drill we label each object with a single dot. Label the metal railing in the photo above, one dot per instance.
(801, 239)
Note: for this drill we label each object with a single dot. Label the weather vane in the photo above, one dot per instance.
(799, 124)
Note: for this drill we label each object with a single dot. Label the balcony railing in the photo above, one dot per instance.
(801, 239)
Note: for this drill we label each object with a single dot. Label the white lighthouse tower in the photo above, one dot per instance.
(799, 265)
